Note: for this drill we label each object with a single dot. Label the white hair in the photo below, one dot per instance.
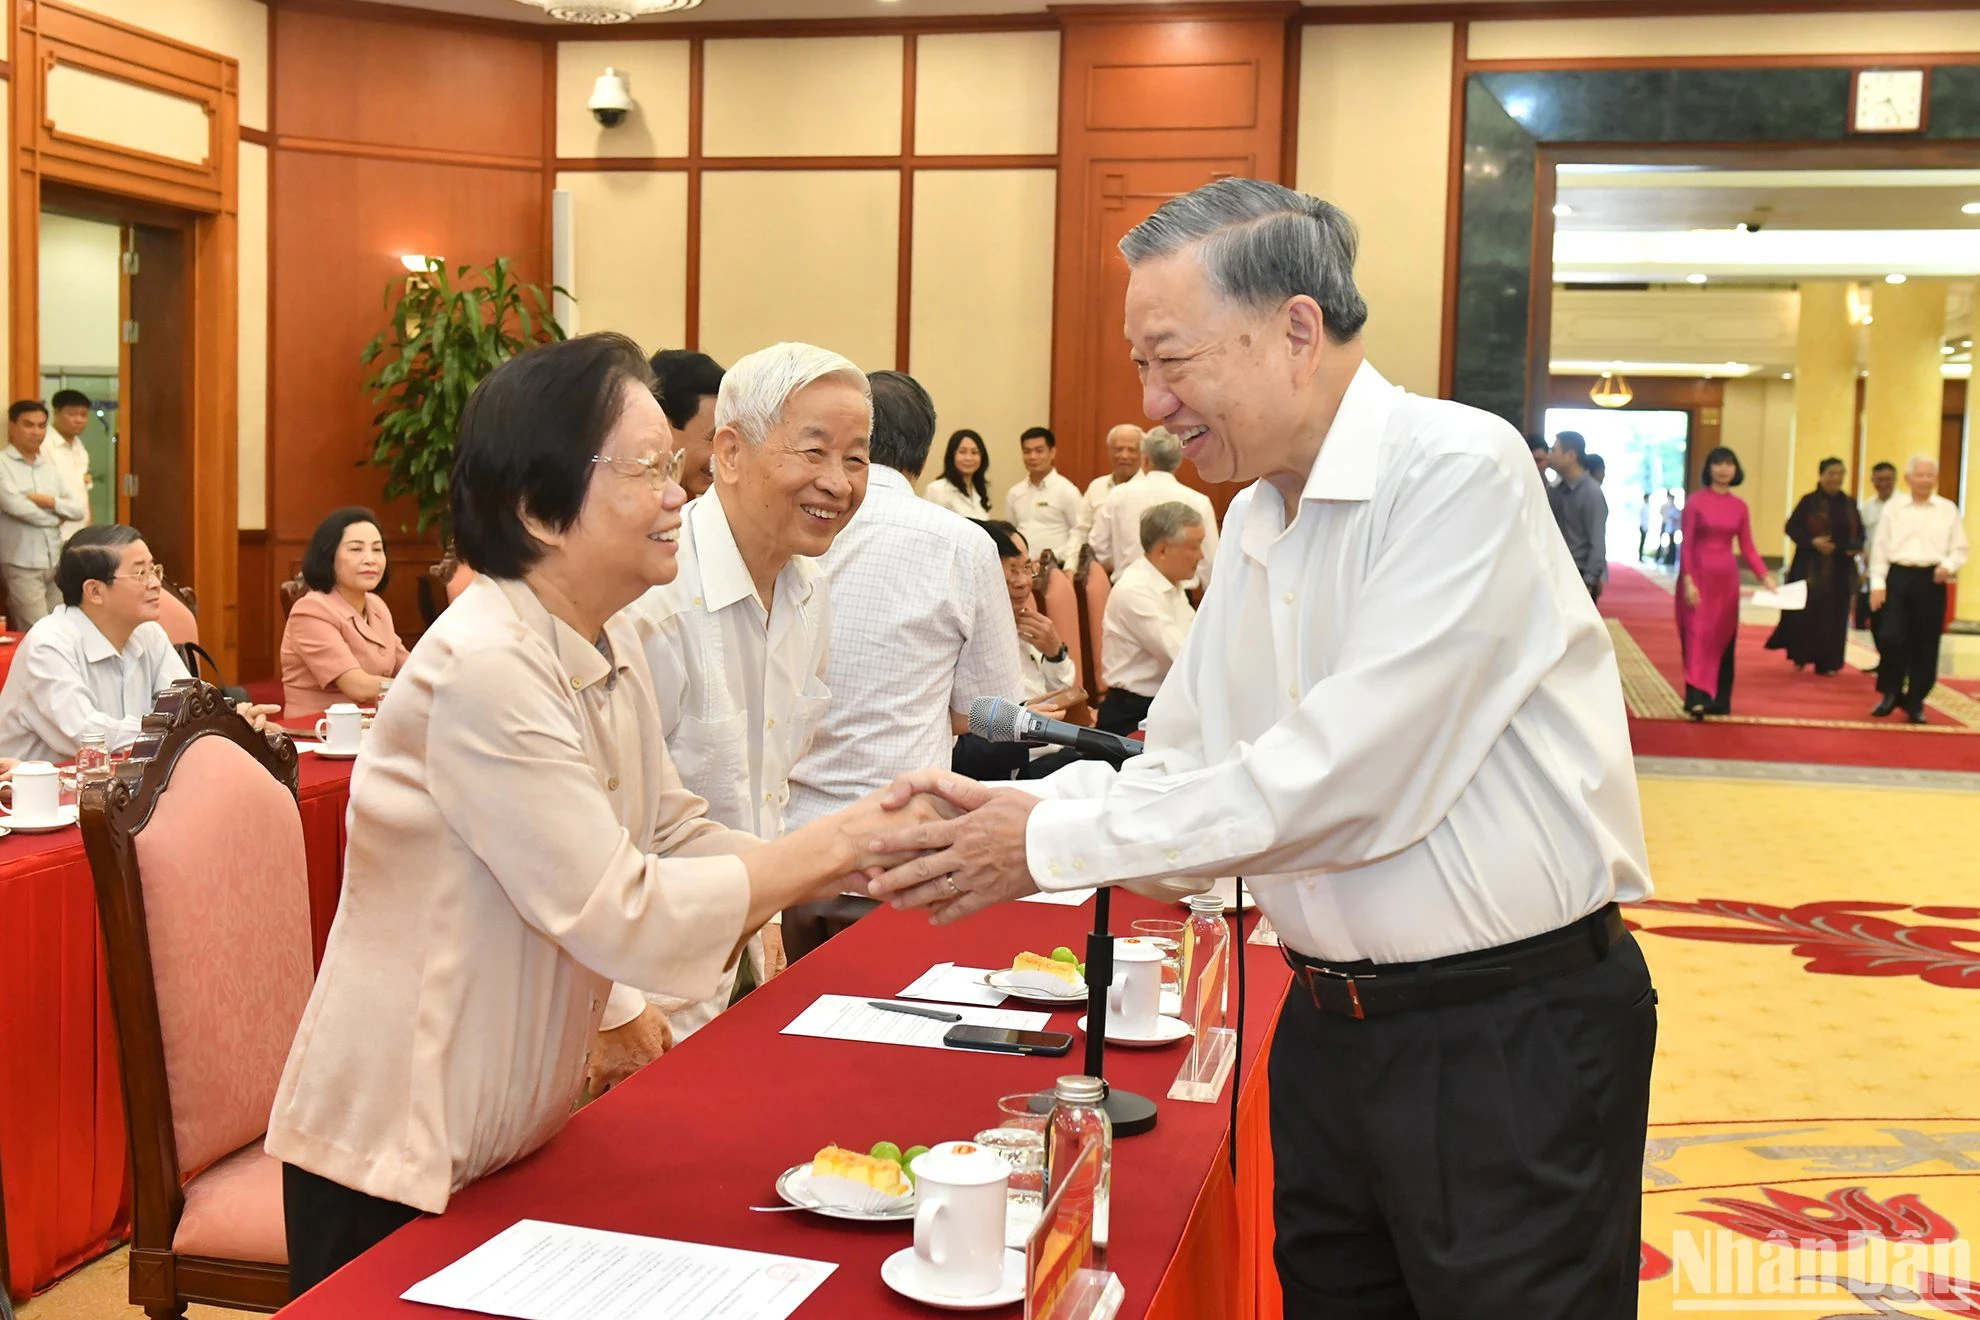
(757, 388)
(1911, 464)
(1162, 450)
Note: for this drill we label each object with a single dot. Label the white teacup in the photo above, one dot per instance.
(1135, 998)
(341, 727)
(37, 792)
(959, 1218)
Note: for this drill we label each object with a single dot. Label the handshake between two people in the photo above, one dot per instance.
(942, 841)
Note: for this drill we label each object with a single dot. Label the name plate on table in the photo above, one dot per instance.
(1061, 1281)
(1213, 1053)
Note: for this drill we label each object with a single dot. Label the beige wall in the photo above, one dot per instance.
(1757, 422)
(657, 72)
(981, 329)
(802, 96)
(800, 254)
(80, 272)
(987, 93)
(237, 28)
(1895, 33)
(1386, 168)
(629, 254)
(85, 104)
(252, 498)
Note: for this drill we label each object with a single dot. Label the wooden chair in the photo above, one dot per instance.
(1091, 586)
(1058, 602)
(292, 591)
(196, 848)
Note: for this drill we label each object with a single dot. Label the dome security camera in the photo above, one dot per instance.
(611, 99)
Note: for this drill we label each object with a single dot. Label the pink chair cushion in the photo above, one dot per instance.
(226, 906)
(234, 1210)
(459, 582)
(1062, 608)
(178, 622)
(1097, 589)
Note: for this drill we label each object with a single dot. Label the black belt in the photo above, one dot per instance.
(1366, 990)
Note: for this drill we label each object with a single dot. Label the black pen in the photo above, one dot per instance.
(939, 1015)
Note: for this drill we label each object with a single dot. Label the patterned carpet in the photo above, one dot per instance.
(1815, 1123)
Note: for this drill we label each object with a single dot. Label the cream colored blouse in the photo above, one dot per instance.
(518, 841)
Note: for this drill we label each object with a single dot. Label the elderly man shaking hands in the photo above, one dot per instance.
(1399, 716)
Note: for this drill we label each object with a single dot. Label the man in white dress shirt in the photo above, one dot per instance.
(1148, 616)
(68, 419)
(737, 641)
(1117, 529)
(1920, 546)
(1046, 507)
(1124, 452)
(36, 499)
(97, 663)
(1400, 718)
(1883, 483)
(921, 627)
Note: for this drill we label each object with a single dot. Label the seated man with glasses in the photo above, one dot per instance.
(96, 663)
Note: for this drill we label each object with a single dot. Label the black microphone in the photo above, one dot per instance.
(998, 720)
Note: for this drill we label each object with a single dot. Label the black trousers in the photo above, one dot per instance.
(1122, 711)
(1908, 629)
(1721, 701)
(1482, 1160)
(328, 1225)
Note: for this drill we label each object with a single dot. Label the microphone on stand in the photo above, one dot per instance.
(999, 720)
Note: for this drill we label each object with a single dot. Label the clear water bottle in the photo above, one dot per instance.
(1204, 935)
(1077, 1118)
(92, 760)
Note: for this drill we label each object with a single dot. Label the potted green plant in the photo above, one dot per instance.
(445, 334)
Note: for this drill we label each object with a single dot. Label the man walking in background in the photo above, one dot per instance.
(1920, 546)
(1580, 510)
(1883, 482)
(35, 500)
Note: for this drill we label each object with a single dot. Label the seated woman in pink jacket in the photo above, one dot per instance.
(339, 644)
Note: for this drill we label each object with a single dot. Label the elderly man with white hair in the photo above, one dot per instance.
(1124, 453)
(1919, 546)
(1400, 718)
(1116, 536)
(738, 640)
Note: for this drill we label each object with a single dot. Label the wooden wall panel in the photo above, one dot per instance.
(351, 79)
(379, 150)
(1150, 107)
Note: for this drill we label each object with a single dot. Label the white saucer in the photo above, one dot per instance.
(794, 1186)
(1000, 980)
(902, 1272)
(1168, 1030)
(327, 754)
(64, 817)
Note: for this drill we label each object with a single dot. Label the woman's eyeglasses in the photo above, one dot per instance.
(659, 469)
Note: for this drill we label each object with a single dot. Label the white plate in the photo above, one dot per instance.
(794, 1186)
(64, 817)
(1168, 1030)
(902, 1272)
(1001, 980)
(324, 753)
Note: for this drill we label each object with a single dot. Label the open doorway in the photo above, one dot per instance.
(1643, 452)
(115, 325)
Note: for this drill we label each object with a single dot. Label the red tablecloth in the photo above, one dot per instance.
(683, 1149)
(62, 1141)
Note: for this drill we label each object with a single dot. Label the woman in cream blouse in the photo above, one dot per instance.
(339, 644)
(964, 486)
(518, 839)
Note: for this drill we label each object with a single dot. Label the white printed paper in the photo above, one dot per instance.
(538, 1271)
(1061, 897)
(1792, 596)
(949, 984)
(848, 1017)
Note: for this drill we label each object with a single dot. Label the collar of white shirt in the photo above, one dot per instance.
(8, 451)
(725, 577)
(1345, 468)
(881, 477)
(1144, 576)
(95, 646)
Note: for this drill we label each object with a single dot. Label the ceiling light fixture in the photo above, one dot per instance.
(1562, 208)
(609, 11)
(1611, 391)
(1894, 278)
(1971, 208)
(1787, 375)
(1694, 279)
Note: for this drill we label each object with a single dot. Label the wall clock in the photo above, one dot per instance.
(1887, 101)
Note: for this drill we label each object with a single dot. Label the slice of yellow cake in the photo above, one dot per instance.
(882, 1176)
(1035, 972)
